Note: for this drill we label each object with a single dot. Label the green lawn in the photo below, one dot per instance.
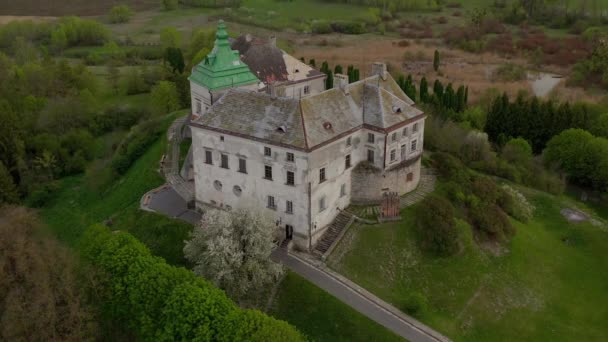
(548, 287)
(321, 316)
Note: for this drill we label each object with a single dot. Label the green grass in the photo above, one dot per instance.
(321, 316)
(546, 288)
(78, 204)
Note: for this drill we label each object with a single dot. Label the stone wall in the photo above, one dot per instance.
(369, 183)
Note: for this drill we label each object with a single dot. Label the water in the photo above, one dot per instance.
(542, 83)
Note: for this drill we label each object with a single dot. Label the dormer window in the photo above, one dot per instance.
(327, 125)
(281, 129)
(396, 109)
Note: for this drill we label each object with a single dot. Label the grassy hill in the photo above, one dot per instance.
(545, 286)
(70, 7)
(77, 205)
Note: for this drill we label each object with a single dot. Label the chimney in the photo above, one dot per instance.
(379, 69)
(248, 37)
(276, 89)
(272, 40)
(341, 82)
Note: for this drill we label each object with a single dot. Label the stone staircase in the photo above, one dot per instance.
(333, 233)
(171, 163)
(428, 178)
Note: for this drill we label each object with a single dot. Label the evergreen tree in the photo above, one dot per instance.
(466, 96)
(338, 69)
(355, 74)
(329, 81)
(8, 190)
(424, 90)
(312, 63)
(436, 61)
(438, 90)
(349, 73)
(324, 67)
(174, 56)
(401, 82)
(460, 103)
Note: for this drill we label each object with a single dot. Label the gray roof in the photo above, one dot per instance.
(256, 115)
(315, 119)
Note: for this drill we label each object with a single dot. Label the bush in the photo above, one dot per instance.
(414, 304)
(491, 222)
(516, 204)
(169, 5)
(436, 226)
(348, 27)
(451, 168)
(120, 14)
(321, 27)
(486, 190)
(135, 145)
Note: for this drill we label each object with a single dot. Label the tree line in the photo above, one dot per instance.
(536, 120)
(160, 302)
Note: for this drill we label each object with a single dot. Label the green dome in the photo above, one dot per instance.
(222, 68)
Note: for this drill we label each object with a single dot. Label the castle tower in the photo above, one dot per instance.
(221, 69)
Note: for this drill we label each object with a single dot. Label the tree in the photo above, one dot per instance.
(120, 14)
(160, 302)
(59, 40)
(41, 297)
(113, 77)
(169, 5)
(517, 151)
(424, 90)
(312, 63)
(338, 69)
(165, 97)
(175, 58)
(8, 190)
(436, 60)
(170, 38)
(232, 249)
(437, 226)
(329, 81)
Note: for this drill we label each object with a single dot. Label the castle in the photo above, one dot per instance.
(267, 134)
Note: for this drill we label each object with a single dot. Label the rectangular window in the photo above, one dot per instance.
(224, 163)
(348, 141)
(199, 106)
(267, 151)
(322, 175)
(306, 90)
(322, 204)
(290, 157)
(393, 155)
(271, 203)
(289, 207)
(414, 142)
(347, 161)
(403, 151)
(394, 136)
(209, 157)
(371, 138)
(370, 156)
(416, 127)
(268, 172)
(290, 178)
(242, 165)
(405, 132)
(342, 190)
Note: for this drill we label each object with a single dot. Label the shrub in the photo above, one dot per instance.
(437, 226)
(516, 204)
(348, 27)
(169, 5)
(491, 221)
(510, 72)
(135, 145)
(120, 14)
(486, 190)
(451, 168)
(414, 304)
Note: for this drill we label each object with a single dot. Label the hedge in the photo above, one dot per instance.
(165, 303)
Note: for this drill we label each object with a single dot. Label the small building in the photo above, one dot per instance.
(301, 158)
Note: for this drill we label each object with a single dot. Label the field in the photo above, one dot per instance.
(545, 287)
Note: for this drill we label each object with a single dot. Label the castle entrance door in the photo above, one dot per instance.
(288, 232)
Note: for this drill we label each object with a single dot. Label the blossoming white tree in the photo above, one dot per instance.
(232, 249)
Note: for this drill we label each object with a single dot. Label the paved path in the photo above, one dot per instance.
(171, 166)
(359, 299)
(165, 200)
